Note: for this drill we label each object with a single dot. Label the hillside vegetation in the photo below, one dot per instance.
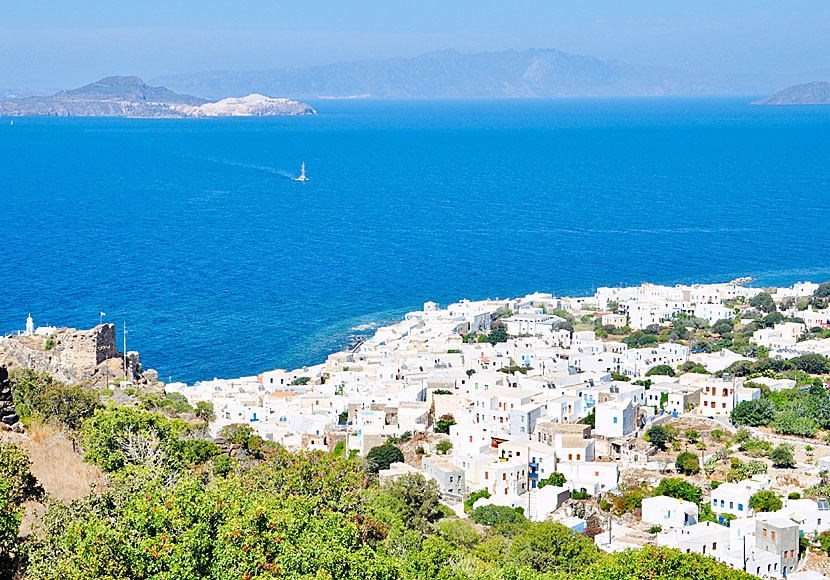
(175, 506)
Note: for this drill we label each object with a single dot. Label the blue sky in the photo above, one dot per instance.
(50, 43)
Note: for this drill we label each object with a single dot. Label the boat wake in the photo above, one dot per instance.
(264, 168)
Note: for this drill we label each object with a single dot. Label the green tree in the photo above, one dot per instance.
(657, 563)
(415, 498)
(591, 418)
(763, 301)
(551, 547)
(679, 488)
(557, 479)
(815, 364)
(443, 446)
(765, 501)
(204, 410)
(11, 514)
(117, 436)
(497, 335)
(444, 423)
(658, 436)
(664, 370)
(687, 463)
(782, 456)
(494, 515)
(382, 456)
(754, 413)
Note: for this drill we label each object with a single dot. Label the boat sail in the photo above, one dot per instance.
(302, 176)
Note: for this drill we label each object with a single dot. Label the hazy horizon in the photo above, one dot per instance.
(67, 45)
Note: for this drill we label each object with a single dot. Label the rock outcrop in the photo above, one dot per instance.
(8, 415)
(73, 356)
(817, 93)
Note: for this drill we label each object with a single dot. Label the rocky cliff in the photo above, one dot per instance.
(74, 356)
(132, 97)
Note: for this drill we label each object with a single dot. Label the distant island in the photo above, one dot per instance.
(131, 97)
(535, 73)
(817, 93)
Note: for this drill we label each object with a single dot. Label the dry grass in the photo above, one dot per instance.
(58, 467)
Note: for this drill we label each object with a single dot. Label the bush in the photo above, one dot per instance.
(443, 446)
(444, 423)
(658, 436)
(765, 501)
(204, 410)
(475, 496)
(655, 529)
(549, 547)
(382, 456)
(782, 456)
(416, 500)
(679, 488)
(754, 413)
(556, 479)
(494, 515)
(38, 394)
(794, 495)
(664, 370)
(815, 364)
(687, 463)
(117, 436)
(14, 469)
(763, 301)
(580, 495)
(793, 423)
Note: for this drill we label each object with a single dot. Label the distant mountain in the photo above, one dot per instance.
(817, 93)
(450, 74)
(132, 97)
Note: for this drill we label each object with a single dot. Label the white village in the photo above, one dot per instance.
(606, 413)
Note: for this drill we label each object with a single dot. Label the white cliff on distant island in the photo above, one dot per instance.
(251, 106)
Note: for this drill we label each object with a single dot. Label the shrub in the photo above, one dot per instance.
(416, 500)
(580, 495)
(664, 370)
(475, 496)
(549, 547)
(557, 479)
(782, 456)
(494, 515)
(655, 529)
(204, 410)
(444, 423)
(794, 495)
(38, 394)
(443, 446)
(658, 436)
(793, 423)
(382, 456)
(679, 488)
(754, 413)
(687, 463)
(765, 501)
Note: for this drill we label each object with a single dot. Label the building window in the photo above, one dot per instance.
(731, 505)
(773, 535)
(596, 474)
(714, 545)
(740, 507)
(486, 475)
(615, 419)
(570, 456)
(504, 477)
(578, 456)
(765, 532)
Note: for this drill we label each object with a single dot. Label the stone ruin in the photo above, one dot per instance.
(8, 415)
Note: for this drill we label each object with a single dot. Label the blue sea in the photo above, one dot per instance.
(194, 234)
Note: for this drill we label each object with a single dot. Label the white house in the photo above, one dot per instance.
(615, 418)
(669, 512)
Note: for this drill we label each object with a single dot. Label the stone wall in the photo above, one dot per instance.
(71, 356)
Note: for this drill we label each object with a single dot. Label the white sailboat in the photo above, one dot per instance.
(302, 176)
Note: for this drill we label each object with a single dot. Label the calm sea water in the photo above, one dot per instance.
(193, 232)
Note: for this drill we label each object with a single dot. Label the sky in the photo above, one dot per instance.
(59, 44)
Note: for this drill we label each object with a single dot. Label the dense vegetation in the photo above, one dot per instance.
(790, 411)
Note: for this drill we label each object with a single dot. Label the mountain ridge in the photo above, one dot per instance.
(532, 73)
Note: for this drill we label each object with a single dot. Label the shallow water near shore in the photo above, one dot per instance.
(194, 232)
